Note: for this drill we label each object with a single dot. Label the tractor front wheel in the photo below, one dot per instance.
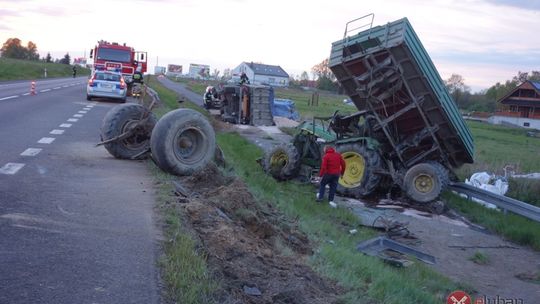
(282, 161)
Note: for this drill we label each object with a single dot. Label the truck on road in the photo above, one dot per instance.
(113, 56)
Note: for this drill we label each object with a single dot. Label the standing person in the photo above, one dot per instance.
(74, 71)
(244, 79)
(332, 167)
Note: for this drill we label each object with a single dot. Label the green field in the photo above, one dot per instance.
(16, 69)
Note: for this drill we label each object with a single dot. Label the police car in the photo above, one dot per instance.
(106, 84)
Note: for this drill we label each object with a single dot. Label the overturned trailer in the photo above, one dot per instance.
(407, 130)
(247, 104)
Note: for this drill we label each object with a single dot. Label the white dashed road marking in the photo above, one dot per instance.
(9, 97)
(11, 168)
(78, 115)
(57, 132)
(65, 125)
(57, 88)
(46, 90)
(31, 152)
(26, 94)
(83, 112)
(65, 86)
(73, 120)
(87, 109)
(46, 140)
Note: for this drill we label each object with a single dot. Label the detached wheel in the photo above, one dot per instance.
(359, 179)
(123, 118)
(424, 182)
(282, 162)
(182, 142)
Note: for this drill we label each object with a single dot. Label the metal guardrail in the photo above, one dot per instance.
(503, 202)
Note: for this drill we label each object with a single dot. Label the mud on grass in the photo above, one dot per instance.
(250, 246)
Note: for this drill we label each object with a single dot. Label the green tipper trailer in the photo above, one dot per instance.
(386, 68)
(407, 133)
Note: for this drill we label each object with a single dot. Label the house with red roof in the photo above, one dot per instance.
(520, 107)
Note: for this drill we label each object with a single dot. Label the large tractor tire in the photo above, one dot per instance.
(282, 161)
(359, 179)
(424, 182)
(121, 119)
(183, 141)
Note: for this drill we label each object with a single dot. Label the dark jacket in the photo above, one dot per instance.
(332, 163)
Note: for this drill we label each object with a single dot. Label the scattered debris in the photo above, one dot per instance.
(180, 190)
(532, 277)
(381, 219)
(380, 247)
(488, 182)
(252, 291)
(483, 247)
(535, 175)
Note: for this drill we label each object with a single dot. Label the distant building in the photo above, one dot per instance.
(199, 70)
(159, 70)
(174, 70)
(520, 107)
(259, 73)
(80, 61)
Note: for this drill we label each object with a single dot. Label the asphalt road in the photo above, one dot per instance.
(76, 225)
(182, 90)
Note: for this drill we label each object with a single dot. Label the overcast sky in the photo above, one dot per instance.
(485, 41)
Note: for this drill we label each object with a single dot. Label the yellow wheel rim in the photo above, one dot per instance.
(354, 170)
(279, 159)
(424, 183)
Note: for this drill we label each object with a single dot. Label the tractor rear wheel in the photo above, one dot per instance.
(359, 179)
(282, 161)
(424, 182)
(182, 142)
(123, 118)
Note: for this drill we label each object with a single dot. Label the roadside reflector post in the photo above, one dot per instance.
(33, 88)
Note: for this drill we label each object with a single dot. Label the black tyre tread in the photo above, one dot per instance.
(430, 167)
(373, 161)
(112, 125)
(162, 141)
(442, 173)
(290, 170)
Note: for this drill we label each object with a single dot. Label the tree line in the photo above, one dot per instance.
(484, 101)
(13, 48)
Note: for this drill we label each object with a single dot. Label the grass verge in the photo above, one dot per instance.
(514, 227)
(184, 267)
(366, 279)
(17, 69)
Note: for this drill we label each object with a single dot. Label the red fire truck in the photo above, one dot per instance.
(113, 56)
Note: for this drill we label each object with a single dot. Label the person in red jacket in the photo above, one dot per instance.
(332, 167)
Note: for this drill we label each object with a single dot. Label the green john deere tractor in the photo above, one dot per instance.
(303, 155)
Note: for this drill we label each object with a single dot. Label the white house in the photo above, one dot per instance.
(259, 73)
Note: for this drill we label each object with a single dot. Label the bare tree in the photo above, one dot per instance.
(458, 89)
